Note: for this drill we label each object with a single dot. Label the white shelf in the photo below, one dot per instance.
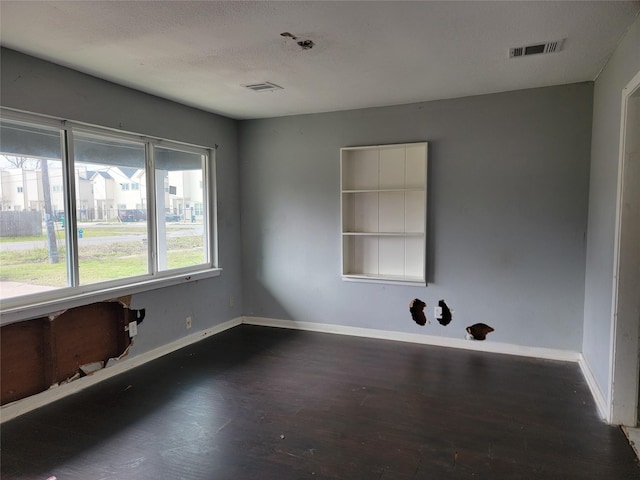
(383, 200)
(385, 234)
(399, 279)
(377, 190)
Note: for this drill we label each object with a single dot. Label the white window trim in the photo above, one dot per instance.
(45, 303)
(39, 306)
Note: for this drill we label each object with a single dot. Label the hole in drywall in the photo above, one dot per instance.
(479, 331)
(416, 307)
(445, 316)
(304, 44)
(66, 345)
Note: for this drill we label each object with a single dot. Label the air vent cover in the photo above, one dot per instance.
(536, 48)
(263, 87)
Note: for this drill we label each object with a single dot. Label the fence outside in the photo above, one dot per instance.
(20, 224)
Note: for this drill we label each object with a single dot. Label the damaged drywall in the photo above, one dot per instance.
(444, 315)
(43, 352)
(302, 43)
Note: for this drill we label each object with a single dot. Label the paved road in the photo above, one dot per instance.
(12, 246)
(184, 230)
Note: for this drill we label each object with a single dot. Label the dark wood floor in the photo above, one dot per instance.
(263, 403)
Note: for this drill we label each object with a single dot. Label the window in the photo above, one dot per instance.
(86, 230)
(108, 160)
(184, 169)
(31, 154)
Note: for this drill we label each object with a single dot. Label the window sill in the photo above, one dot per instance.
(46, 307)
(388, 279)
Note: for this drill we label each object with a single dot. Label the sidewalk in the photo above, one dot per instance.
(15, 289)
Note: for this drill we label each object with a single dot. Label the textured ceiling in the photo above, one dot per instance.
(365, 53)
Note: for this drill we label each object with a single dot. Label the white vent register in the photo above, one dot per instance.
(384, 213)
(263, 87)
(537, 48)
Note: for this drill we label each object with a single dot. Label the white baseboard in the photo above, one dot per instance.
(596, 392)
(633, 435)
(19, 407)
(461, 343)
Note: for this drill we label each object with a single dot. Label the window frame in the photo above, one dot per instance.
(43, 303)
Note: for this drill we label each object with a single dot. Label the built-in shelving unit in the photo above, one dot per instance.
(384, 210)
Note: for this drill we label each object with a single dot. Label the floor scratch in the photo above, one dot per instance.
(228, 422)
(290, 454)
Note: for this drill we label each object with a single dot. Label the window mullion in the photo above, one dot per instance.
(69, 182)
(210, 207)
(152, 221)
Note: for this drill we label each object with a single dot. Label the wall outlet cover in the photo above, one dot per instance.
(133, 329)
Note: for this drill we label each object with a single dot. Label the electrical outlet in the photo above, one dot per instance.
(133, 329)
(188, 322)
(232, 301)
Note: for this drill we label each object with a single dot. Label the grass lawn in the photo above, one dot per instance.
(87, 232)
(98, 262)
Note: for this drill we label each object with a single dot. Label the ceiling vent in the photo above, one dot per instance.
(549, 47)
(263, 87)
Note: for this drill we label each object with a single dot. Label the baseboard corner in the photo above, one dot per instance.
(601, 402)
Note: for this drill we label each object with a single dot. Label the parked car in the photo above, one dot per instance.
(133, 215)
(58, 216)
(172, 217)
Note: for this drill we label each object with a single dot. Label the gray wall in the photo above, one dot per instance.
(508, 180)
(620, 69)
(36, 86)
(507, 215)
